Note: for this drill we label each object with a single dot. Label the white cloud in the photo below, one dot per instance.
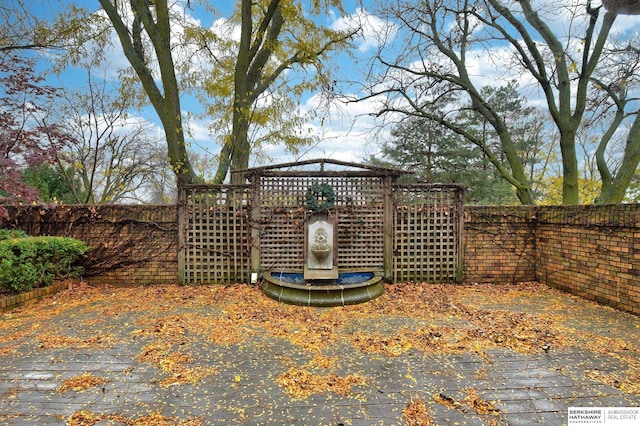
(225, 29)
(373, 30)
(496, 67)
(625, 24)
(347, 132)
(199, 133)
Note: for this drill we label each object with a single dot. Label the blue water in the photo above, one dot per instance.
(344, 278)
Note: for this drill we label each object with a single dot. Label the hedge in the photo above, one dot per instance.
(29, 262)
(8, 234)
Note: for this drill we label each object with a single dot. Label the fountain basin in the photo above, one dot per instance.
(351, 287)
(321, 253)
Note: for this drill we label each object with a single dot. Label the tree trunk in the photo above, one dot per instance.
(518, 176)
(224, 162)
(570, 172)
(165, 99)
(616, 191)
(241, 151)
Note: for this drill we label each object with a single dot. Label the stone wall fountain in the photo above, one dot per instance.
(321, 283)
(321, 247)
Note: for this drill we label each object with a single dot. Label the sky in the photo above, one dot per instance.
(347, 132)
(344, 133)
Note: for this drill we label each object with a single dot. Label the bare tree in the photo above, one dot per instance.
(612, 104)
(117, 157)
(444, 39)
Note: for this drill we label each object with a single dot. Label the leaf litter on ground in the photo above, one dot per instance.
(174, 321)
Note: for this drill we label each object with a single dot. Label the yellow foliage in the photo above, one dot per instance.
(552, 187)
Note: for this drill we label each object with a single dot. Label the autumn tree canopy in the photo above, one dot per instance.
(248, 86)
(276, 37)
(135, 22)
(251, 78)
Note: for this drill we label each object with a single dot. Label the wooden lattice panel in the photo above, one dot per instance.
(215, 246)
(427, 233)
(411, 232)
(358, 205)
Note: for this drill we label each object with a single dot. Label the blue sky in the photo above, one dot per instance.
(344, 136)
(348, 133)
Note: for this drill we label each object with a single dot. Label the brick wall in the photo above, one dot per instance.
(499, 244)
(591, 251)
(129, 244)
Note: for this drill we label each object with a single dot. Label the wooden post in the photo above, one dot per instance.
(254, 224)
(459, 208)
(388, 228)
(182, 218)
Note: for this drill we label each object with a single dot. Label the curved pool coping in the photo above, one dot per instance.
(323, 295)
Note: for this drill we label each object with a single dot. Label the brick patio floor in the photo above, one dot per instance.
(518, 388)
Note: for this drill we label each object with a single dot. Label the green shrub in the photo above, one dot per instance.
(31, 262)
(9, 234)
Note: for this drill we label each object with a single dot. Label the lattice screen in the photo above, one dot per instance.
(428, 233)
(359, 207)
(215, 227)
(214, 245)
